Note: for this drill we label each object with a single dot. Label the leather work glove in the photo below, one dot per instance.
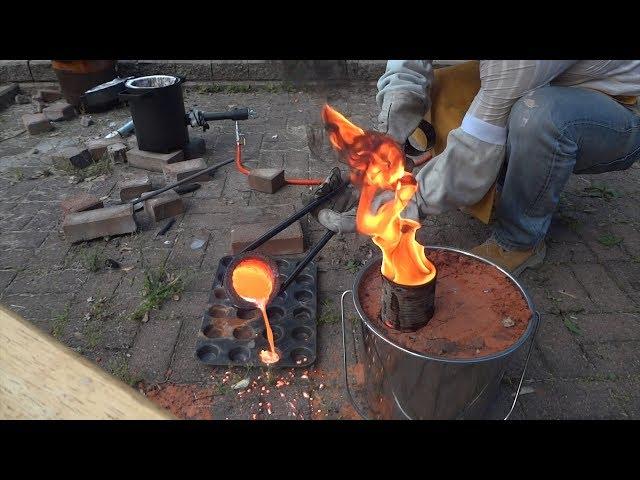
(400, 115)
(339, 213)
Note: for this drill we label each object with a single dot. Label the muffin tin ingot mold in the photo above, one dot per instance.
(232, 336)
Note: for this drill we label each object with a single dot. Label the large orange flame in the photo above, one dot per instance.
(377, 163)
(253, 281)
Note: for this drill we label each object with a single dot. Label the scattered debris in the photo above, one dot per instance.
(86, 120)
(22, 99)
(241, 384)
(110, 263)
(508, 322)
(274, 137)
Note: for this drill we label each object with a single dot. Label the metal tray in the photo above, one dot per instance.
(231, 336)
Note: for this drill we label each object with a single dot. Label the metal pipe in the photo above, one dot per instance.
(303, 263)
(296, 216)
(149, 195)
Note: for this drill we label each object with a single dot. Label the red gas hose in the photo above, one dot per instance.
(291, 181)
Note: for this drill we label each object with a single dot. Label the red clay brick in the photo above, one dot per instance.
(267, 180)
(36, 123)
(98, 147)
(134, 186)
(286, 242)
(165, 205)
(98, 223)
(152, 161)
(60, 110)
(177, 171)
(48, 95)
(80, 203)
(76, 156)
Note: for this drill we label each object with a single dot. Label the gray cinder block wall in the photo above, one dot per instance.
(36, 71)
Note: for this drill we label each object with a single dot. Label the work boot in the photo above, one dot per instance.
(513, 261)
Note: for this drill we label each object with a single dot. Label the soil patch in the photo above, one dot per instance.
(478, 312)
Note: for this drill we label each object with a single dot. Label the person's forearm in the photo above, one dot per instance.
(460, 176)
(403, 97)
(406, 76)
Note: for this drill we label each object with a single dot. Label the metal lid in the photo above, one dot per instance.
(152, 81)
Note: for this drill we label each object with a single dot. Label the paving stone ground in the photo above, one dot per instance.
(585, 361)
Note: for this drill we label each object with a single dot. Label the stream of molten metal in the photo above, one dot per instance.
(377, 163)
(253, 281)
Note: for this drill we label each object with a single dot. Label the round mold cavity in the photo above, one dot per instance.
(240, 355)
(301, 355)
(244, 332)
(282, 264)
(212, 331)
(219, 293)
(302, 334)
(304, 279)
(248, 313)
(218, 311)
(277, 332)
(302, 314)
(281, 298)
(303, 295)
(275, 313)
(208, 353)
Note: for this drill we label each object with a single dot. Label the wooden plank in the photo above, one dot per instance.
(40, 378)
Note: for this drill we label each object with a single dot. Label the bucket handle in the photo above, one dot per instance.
(346, 375)
(344, 355)
(526, 363)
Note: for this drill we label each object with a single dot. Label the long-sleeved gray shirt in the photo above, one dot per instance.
(469, 165)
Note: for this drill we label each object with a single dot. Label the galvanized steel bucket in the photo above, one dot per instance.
(403, 384)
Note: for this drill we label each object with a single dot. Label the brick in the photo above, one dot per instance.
(48, 96)
(134, 186)
(98, 223)
(60, 110)
(267, 180)
(194, 149)
(152, 161)
(76, 156)
(98, 147)
(290, 240)
(80, 203)
(177, 171)
(117, 152)
(36, 123)
(165, 205)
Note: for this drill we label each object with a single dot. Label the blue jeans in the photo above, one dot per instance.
(554, 131)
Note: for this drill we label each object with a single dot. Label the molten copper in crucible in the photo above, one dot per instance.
(252, 281)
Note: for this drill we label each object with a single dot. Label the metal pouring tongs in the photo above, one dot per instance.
(296, 216)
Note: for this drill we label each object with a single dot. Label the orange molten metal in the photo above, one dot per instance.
(253, 281)
(377, 163)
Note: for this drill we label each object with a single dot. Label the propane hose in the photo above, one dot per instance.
(245, 171)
